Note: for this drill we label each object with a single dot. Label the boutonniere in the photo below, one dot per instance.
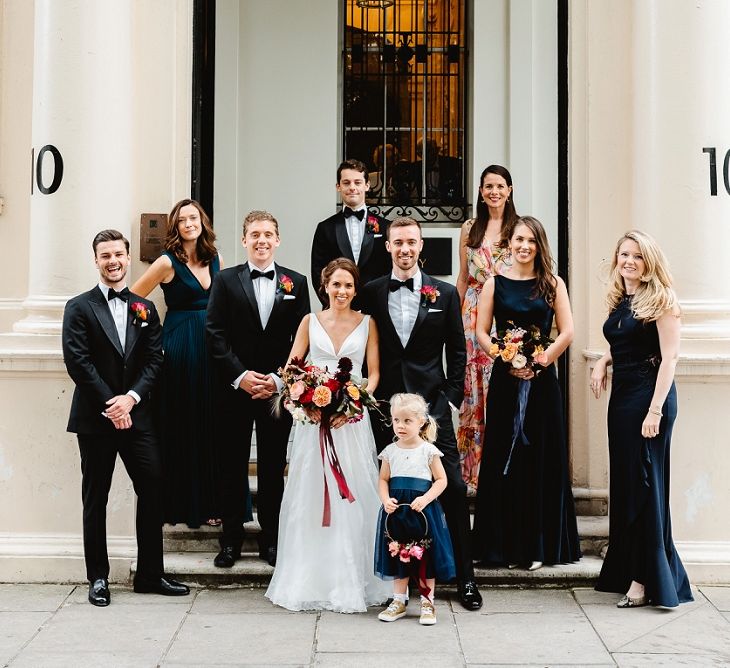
(430, 294)
(373, 225)
(286, 285)
(140, 313)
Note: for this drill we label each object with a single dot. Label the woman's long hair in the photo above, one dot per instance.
(479, 227)
(338, 263)
(205, 246)
(545, 285)
(655, 294)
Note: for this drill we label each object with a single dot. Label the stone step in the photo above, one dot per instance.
(593, 532)
(196, 568)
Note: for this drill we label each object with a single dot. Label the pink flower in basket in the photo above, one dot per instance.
(394, 548)
(405, 555)
(416, 551)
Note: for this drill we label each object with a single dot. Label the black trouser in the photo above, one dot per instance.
(140, 454)
(272, 435)
(453, 500)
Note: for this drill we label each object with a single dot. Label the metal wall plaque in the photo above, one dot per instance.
(152, 230)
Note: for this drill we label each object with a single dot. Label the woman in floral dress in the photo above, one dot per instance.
(482, 253)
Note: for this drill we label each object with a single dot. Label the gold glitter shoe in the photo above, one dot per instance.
(394, 611)
(428, 614)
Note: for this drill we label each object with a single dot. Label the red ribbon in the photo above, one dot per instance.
(327, 447)
(423, 587)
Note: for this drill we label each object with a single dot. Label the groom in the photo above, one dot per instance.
(418, 317)
(253, 314)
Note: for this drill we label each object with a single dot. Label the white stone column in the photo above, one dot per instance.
(82, 105)
(682, 105)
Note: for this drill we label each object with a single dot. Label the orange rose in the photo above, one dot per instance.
(322, 396)
(494, 350)
(353, 391)
(510, 350)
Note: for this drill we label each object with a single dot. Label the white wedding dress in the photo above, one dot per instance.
(330, 568)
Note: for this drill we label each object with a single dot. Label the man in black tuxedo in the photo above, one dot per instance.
(419, 317)
(253, 314)
(353, 233)
(112, 348)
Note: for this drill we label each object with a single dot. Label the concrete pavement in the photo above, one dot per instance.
(53, 625)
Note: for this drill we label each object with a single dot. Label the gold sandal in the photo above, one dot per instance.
(628, 602)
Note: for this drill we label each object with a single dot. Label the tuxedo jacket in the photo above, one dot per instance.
(236, 339)
(418, 367)
(331, 241)
(100, 368)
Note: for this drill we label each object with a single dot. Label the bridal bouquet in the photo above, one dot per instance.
(521, 348)
(308, 387)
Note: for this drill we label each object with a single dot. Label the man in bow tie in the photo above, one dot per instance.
(354, 232)
(253, 314)
(112, 348)
(419, 319)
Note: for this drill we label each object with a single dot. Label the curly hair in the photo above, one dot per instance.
(655, 294)
(416, 405)
(338, 263)
(205, 245)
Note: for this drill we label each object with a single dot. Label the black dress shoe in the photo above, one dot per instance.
(99, 593)
(469, 595)
(165, 586)
(271, 556)
(226, 557)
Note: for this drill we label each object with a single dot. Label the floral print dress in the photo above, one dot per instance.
(482, 263)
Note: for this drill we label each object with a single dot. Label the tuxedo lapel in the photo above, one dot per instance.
(278, 295)
(389, 327)
(422, 308)
(132, 334)
(343, 241)
(247, 284)
(104, 316)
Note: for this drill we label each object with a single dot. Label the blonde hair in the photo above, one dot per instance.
(416, 404)
(655, 295)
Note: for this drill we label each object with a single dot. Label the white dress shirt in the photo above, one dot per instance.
(403, 307)
(356, 231)
(120, 312)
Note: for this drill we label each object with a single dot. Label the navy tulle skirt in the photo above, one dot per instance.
(405, 525)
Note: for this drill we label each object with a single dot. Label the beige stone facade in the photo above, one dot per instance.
(108, 82)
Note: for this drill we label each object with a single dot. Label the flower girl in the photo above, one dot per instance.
(412, 536)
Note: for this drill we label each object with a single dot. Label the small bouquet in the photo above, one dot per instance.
(309, 387)
(520, 347)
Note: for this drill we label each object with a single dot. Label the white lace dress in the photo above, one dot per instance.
(330, 568)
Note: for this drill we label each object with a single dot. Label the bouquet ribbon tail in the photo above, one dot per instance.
(518, 425)
(423, 587)
(327, 450)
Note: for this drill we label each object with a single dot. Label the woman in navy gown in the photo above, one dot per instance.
(643, 332)
(185, 271)
(525, 514)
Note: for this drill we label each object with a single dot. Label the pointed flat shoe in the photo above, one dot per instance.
(628, 602)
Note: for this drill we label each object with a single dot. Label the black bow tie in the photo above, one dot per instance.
(255, 273)
(359, 214)
(395, 284)
(123, 294)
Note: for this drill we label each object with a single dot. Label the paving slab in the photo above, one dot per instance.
(32, 597)
(120, 635)
(244, 639)
(16, 629)
(618, 627)
(624, 660)
(718, 596)
(524, 638)
(365, 633)
(504, 599)
(236, 601)
(587, 596)
(702, 630)
(379, 659)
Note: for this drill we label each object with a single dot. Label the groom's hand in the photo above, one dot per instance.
(264, 389)
(251, 380)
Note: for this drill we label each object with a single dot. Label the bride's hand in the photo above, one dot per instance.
(314, 414)
(338, 420)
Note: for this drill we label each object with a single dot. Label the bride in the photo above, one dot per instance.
(331, 568)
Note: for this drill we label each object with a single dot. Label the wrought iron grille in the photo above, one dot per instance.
(405, 105)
